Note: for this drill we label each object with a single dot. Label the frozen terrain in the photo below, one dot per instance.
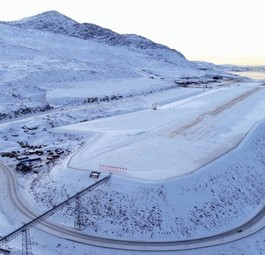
(186, 134)
(190, 169)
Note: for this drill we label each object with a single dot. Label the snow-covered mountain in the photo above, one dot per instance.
(157, 142)
(50, 60)
(53, 21)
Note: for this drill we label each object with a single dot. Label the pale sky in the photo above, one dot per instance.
(218, 31)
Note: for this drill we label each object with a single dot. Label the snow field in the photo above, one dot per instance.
(176, 139)
(160, 197)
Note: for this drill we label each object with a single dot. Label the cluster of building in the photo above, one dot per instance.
(27, 159)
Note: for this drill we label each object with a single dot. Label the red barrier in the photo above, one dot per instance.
(112, 169)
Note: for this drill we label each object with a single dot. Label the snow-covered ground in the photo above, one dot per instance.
(220, 196)
(175, 139)
(192, 168)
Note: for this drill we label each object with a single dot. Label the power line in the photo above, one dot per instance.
(24, 229)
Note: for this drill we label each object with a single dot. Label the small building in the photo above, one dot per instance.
(31, 160)
(35, 151)
(94, 175)
(23, 167)
(59, 151)
(22, 157)
(52, 156)
(11, 154)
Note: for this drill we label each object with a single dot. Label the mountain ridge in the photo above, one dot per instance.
(52, 60)
(55, 22)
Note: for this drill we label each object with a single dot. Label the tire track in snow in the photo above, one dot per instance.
(183, 129)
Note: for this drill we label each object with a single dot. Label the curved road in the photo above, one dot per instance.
(250, 227)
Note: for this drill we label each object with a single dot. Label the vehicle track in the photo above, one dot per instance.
(216, 111)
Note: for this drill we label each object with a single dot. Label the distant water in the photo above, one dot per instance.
(252, 75)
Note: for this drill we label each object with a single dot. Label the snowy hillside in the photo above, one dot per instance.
(55, 22)
(77, 98)
(49, 60)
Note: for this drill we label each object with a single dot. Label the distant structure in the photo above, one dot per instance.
(154, 106)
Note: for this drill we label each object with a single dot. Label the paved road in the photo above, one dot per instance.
(250, 227)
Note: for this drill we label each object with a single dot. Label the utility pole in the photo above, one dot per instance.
(24, 230)
(26, 242)
(79, 219)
